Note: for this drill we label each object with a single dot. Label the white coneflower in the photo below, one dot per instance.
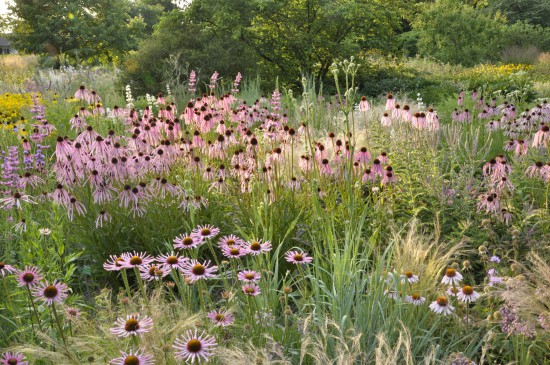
(467, 294)
(441, 306)
(451, 277)
(410, 277)
(415, 299)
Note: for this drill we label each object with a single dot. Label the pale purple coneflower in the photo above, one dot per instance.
(29, 277)
(256, 247)
(542, 137)
(249, 276)
(15, 201)
(194, 270)
(132, 325)
(194, 346)
(296, 257)
(451, 277)
(50, 293)
(364, 104)
(441, 306)
(102, 218)
(415, 299)
(251, 289)
(185, 241)
(467, 294)
(13, 358)
(133, 358)
(221, 318)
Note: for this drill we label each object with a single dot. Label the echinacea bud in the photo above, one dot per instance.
(226, 294)
(198, 323)
(455, 265)
(282, 298)
(497, 316)
(515, 267)
(466, 265)
(515, 233)
(125, 301)
(287, 290)
(173, 305)
(485, 223)
(288, 312)
(166, 348)
(482, 249)
(91, 359)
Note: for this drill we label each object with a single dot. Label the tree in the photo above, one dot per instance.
(73, 30)
(458, 33)
(297, 37)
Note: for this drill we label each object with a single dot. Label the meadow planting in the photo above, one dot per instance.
(221, 223)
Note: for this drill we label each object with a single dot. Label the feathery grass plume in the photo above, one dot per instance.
(325, 342)
(424, 254)
(391, 352)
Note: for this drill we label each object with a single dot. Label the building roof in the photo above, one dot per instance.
(4, 42)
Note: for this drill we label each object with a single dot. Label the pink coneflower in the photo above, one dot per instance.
(6, 269)
(185, 241)
(194, 270)
(72, 313)
(221, 318)
(296, 257)
(441, 306)
(172, 260)
(256, 247)
(13, 358)
(410, 277)
(29, 277)
(133, 358)
(451, 277)
(235, 251)
(467, 294)
(114, 263)
(50, 293)
(230, 241)
(133, 325)
(136, 259)
(152, 272)
(415, 299)
(193, 347)
(249, 276)
(205, 232)
(251, 289)
(489, 203)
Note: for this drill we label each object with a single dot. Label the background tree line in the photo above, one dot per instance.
(155, 41)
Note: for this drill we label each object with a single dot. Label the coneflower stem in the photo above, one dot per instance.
(142, 289)
(58, 322)
(34, 309)
(126, 284)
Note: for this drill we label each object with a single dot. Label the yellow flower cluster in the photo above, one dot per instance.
(12, 105)
(490, 73)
